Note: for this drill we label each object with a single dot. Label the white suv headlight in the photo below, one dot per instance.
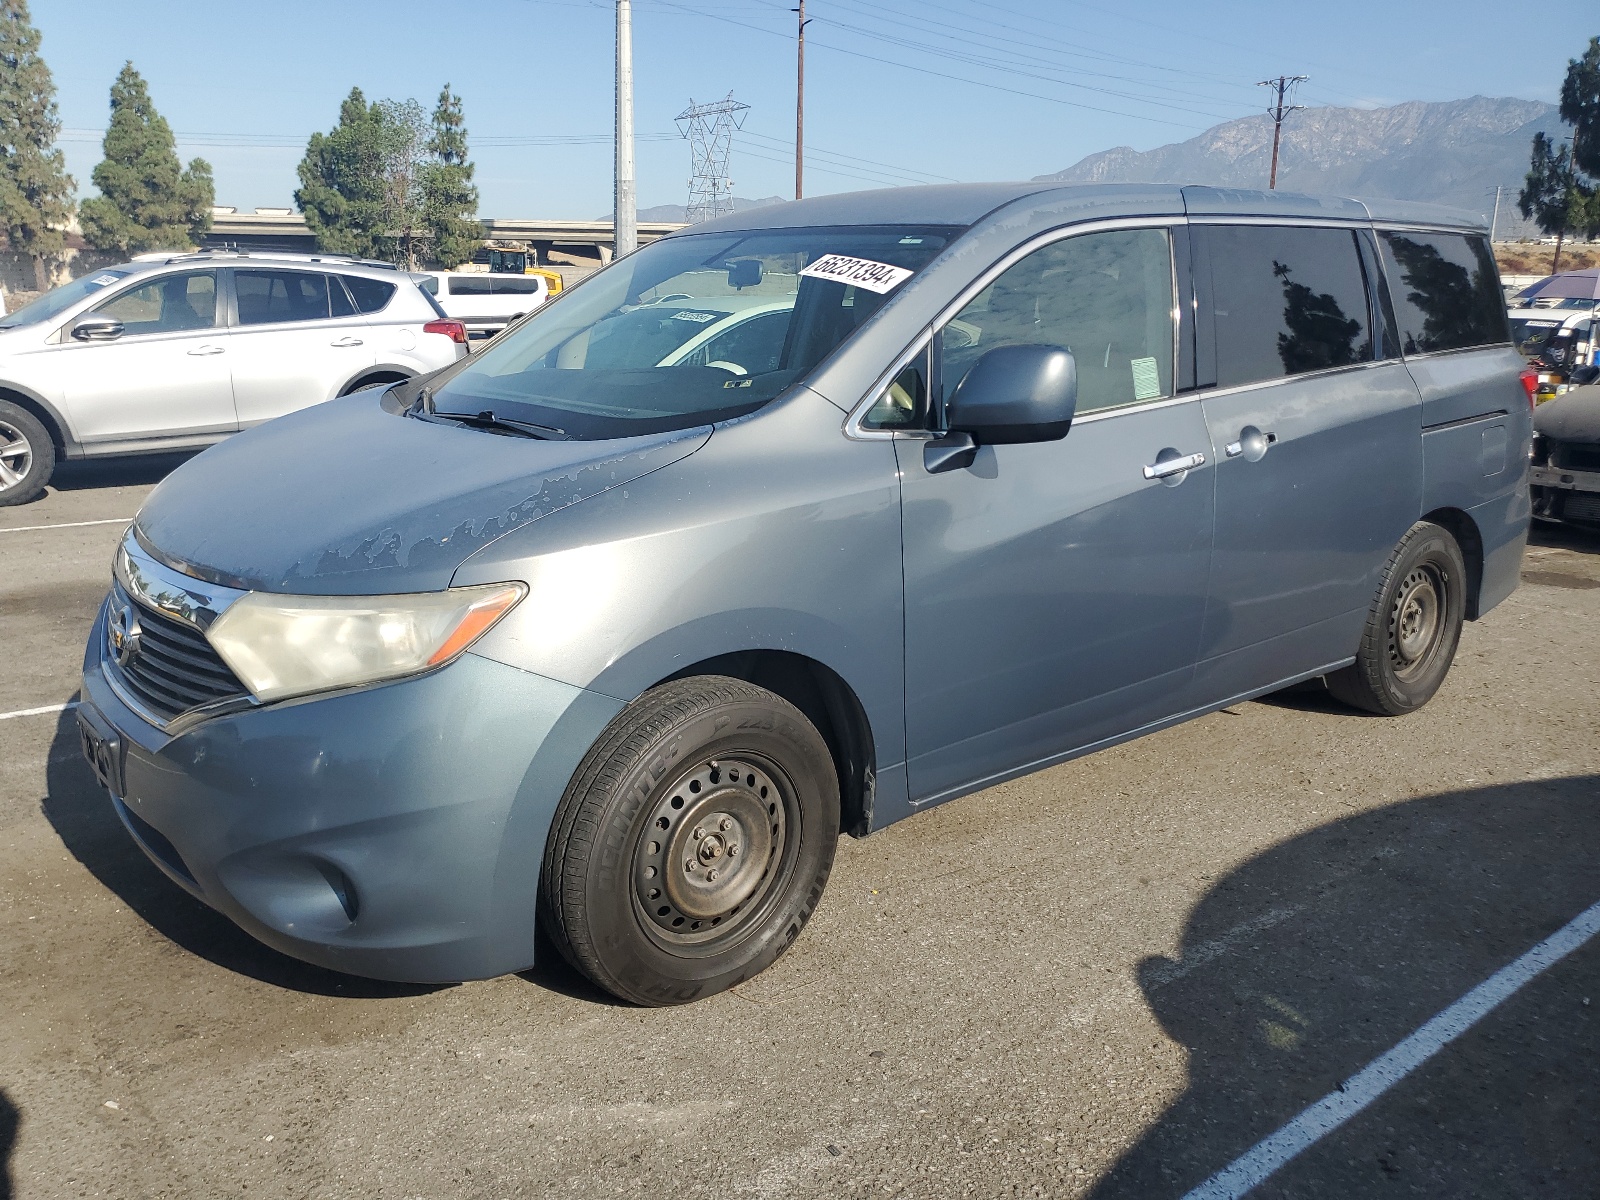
(288, 645)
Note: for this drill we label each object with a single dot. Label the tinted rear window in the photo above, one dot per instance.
(514, 285)
(470, 285)
(1446, 291)
(1287, 301)
(268, 297)
(370, 295)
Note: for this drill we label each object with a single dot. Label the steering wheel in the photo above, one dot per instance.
(732, 368)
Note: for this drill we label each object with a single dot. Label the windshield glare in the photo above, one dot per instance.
(687, 331)
(62, 298)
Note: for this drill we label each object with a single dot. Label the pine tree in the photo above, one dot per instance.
(450, 201)
(342, 181)
(1562, 191)
(35, 189)
(146, 201)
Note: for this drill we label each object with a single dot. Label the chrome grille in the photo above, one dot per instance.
(172, 668)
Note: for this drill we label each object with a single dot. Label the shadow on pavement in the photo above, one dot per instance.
(78, 474)
(1318, 955)
(82, 815)
(10, 1122)
(1566, 537)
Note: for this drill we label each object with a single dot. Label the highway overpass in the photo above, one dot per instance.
(285, 229)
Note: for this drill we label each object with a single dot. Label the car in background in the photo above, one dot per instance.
(1556, 342)
(1565, 470)
(485, 303)
(178, 352)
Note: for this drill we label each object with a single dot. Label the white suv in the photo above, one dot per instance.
(485, 303)
(177, 353)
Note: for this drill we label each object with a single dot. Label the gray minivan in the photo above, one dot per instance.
(799, 521)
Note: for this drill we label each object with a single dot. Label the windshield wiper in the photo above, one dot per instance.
(488, 420)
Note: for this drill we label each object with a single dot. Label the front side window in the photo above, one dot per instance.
(1287, 300)
(1106, 297)
(171, 304)
(1446, 291)
(689, 330)
(271, 297)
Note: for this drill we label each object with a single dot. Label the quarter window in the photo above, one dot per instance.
(370, 295)
(1106, 297)
(171, 304)
(1286, 301)
(1446, 291)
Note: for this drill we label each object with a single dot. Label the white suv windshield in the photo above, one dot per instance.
(58, 300)
(689, 330)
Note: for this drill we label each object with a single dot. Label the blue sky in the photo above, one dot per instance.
(897, 90)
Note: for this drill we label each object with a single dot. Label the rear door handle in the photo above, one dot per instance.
(1174, 466)
(346, 341)
(200, 351)
(1252, 444)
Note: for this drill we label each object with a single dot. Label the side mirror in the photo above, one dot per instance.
(97, 327)
(1016, 394)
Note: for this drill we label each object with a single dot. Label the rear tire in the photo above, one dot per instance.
(27, 455)
(693, 842)
(1412, 629)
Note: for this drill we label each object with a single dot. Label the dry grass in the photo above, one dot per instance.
(1530, 258)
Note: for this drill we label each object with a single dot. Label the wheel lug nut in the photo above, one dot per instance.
(726, 825)
(699, 834)
(711, 876)
(732, 849)
(689, 866)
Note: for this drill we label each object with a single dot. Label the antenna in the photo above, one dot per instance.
(709, 130)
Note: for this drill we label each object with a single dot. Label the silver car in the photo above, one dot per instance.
(175, 352)
(801, 521)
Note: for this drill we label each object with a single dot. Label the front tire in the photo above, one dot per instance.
(1412, 629)
(27, 455)
(693, 842)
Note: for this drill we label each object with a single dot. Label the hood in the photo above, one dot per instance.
(350, 498)
(1573, 416)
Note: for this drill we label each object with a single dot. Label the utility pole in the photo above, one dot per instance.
(625, 211)
(1494, 221)
(1281, 86)
(800, 105)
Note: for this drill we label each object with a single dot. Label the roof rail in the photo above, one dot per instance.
(277, 255)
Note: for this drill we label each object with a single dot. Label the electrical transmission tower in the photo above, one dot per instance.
(1281, 86)
(709, 129)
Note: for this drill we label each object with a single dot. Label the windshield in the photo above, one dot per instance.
(689, 330)
(62, 298)
(1533, 337)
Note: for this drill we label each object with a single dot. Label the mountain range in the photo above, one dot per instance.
(1455, 152)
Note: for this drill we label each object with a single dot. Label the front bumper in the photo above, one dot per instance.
(394, 832)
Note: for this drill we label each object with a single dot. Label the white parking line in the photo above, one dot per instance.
(68, 525)
(39, 712)
(1382, 1073)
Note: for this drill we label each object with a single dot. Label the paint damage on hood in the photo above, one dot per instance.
(351, 498)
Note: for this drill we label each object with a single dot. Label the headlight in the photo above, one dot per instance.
(287, 645)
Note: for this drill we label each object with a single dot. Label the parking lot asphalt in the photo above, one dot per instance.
(1108, 979)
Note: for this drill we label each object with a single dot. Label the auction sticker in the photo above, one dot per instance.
(858, 272)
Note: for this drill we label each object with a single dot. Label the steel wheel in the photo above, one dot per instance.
(693, 842)
(1417, 619)
(713, 851)
(1412, 627)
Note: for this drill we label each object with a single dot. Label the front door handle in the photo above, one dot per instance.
(201, 351)
(1166, 467)
(346, 341)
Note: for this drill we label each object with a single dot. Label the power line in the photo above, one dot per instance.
(1282, 86)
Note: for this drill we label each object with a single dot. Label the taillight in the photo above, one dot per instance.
(454, 330)
(1529, 377)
